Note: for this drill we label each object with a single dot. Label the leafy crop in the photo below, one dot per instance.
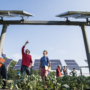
(34, 82)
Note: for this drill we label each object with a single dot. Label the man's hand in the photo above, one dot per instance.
(30, 66)
(48, 69)
(27, 42)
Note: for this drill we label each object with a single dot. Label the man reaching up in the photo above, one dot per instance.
(26, 61)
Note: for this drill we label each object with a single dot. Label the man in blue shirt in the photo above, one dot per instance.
(44, 62)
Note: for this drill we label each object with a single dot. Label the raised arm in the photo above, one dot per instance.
(24, 47)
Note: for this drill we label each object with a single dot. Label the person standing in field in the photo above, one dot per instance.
(73, 73)
(65, 70)
(3, 70)
(26, 61)
(58, 71)
(44, 62)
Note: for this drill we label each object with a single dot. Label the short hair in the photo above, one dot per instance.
(28, 50)
(45, 51)
(73, 68)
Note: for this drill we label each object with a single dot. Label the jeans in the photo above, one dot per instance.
(25, 69)
(3, 74)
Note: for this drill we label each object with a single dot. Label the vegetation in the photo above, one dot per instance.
(34, 81)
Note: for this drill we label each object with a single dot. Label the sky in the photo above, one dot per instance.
(61, 42)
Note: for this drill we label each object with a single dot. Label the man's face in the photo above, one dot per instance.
(27, 51)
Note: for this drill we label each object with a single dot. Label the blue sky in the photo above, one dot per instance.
(61, 42)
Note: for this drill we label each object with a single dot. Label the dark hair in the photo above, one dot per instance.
(28, 50)
(73, 68)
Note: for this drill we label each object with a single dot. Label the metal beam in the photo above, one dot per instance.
(20, 22)
(86, 44)
(2, 37)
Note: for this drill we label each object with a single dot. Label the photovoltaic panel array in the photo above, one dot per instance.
(36, 64)
(72, 64)
(18, 65)
(7, 62)
(54, 64)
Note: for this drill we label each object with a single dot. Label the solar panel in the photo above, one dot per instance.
(7, 62)
(69, 61)
(76, 67)
(72, 64)
(54, 64)
(18, 65)
(19, 62)
(74, 14)
(14, 13)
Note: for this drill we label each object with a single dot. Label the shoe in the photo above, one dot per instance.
(4, 87)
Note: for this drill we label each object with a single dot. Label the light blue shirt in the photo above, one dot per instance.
(3, 55)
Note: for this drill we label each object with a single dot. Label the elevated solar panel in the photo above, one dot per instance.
(18, 65)
(75, 14)
(14, 13)
(54, 64)
(72, 64)
(7, 62)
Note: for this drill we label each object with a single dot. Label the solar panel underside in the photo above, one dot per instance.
(7, 62)
(72, 64)
(54, 64)
(18, 65)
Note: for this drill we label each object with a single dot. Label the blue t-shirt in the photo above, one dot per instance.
(44, 61)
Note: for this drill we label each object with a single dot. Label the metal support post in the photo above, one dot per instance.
(2, 37)
(86, 44)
